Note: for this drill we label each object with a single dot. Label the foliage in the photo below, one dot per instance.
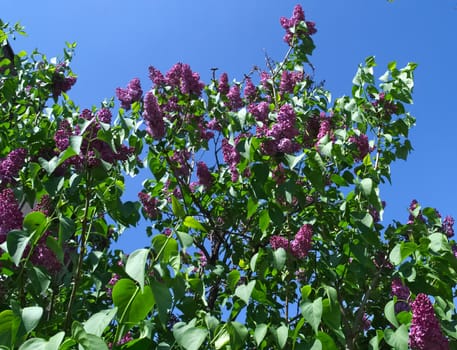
(263, 208)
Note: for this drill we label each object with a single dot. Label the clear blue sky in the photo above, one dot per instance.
(119, 40)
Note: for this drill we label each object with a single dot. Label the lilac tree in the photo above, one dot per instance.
(263, 207)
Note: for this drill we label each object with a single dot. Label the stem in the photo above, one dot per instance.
(82, 252)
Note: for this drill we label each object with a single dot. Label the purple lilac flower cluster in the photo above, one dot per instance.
(125, 339)
(231, 157)
(182, 77)
(10, 214)
(204, 175)
(61, 83)
(10, 166)
(44, 205)
(180, 160)
(288, 24)
(362, 145)
(93, 150)
(425, 331)
(250, 92)
(44, 256)
(223, 85)
(282, 133)
(153, 116)
(448, 226)
(149, 205)
(412, 207)
(112, 282)
(234, 98)
(402, 293)
(132, 93)
(289, 80)
(299, 246)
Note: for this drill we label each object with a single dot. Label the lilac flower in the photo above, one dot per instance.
(10, 214)
(213, 124)
(366, 322)
(301, 244)
(324, 127)
(402, 293)
(297, 17)
(182, 77)
(361, 142)
(44, 257)
(180, 165)
(264, 80)
(44, 205)
(287, 83)
(204, 175)
(260, 111)
(131, 94)
(448, 226)
(277, 242)
(425, 332)
(249, 90)
(62, 135)
(234, 98)
(412, 207)
(231, 158)
(223, 86)
(10, 166)
(104, 115)
(149, 205)
(153, 116)
(112, 282)
(156, 76)
(60, 83)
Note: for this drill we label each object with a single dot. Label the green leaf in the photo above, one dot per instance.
(389, 312)
(98, 322)
(16, 242)
(40, 280)
(232, 279)
(327, 341)
(292, 160)
(366, 185)
(34, 220)
(188, 336)
(87, 341)
(177, 208)
(136, 265)
(438, 242)
(279, 258)
(238, 333)
(376, 340)
(191, 222)
(41, 344)
(312, 312)
(260, 333)
(167, 251)
(398, 339)
(222, 338)
(132, 303)
(244, 291)
(163, 299)
(252, 207)
(264, 220)
(31, 317)
(9, 324)
(281, 334)
(185, 239)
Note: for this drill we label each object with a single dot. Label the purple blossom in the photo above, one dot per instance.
(425, 331)
(204, 175)
(44, 205)
(297, 17)
(324, 127)
(448, 226)
(301, 244)
(264, 80)
(10, 214)
(277, 242)
(223, 86)
(234, 98)
(182, 77)
(249, 90)
(260, 111)
(153, 116)
(287, 83)
(231, 158)
(60, 83)
(156, 76)
(131, 94)
(361, 142)
(213, 124)
(104, 115)
(412, 207)
(366, 322)
(62, 135)
(43, 256)
(180, 165)
(149, 205)
(10, 166)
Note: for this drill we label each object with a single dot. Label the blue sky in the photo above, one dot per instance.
(119, 40)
